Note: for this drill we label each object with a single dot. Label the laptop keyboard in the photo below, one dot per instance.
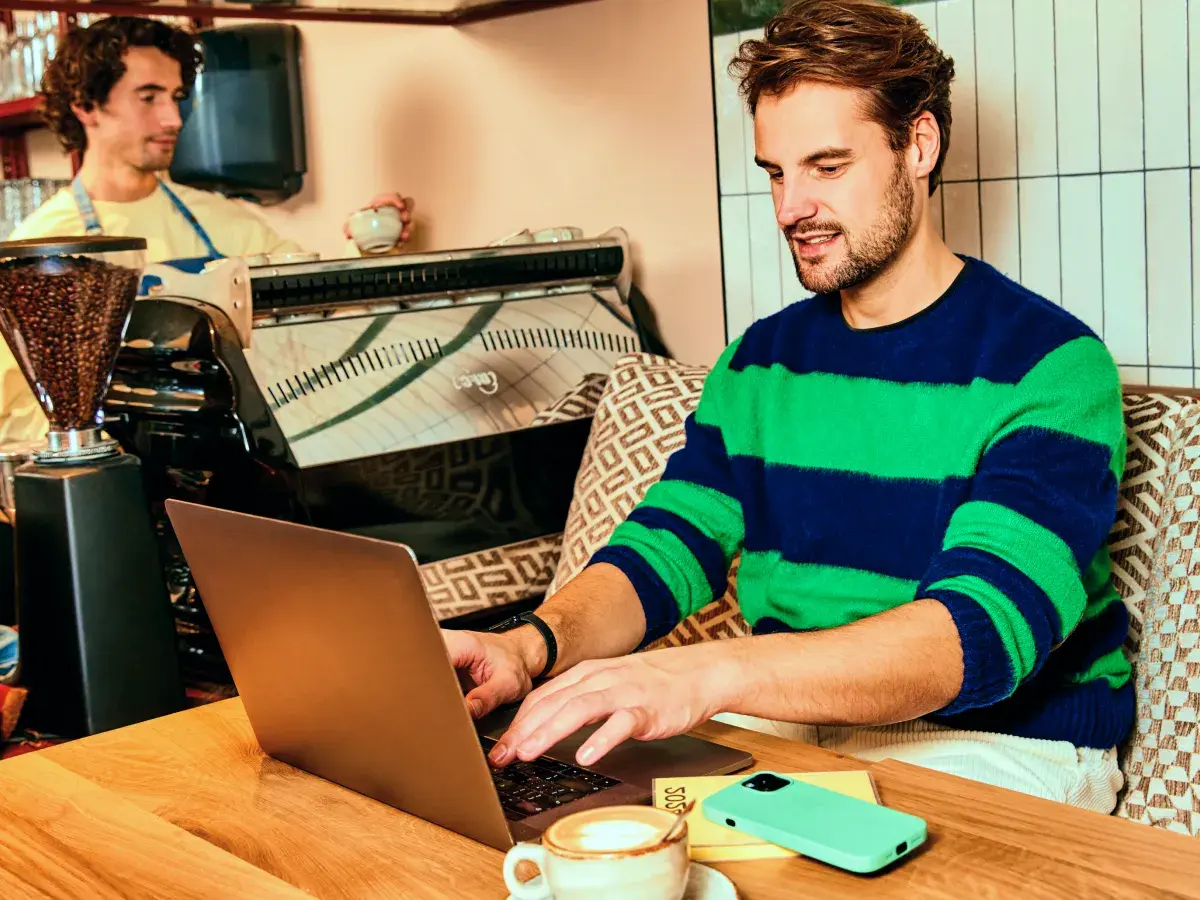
(528, 788)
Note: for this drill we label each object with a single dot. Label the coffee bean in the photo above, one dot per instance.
(63, 318)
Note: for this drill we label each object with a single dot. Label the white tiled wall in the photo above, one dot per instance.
(1074, 168)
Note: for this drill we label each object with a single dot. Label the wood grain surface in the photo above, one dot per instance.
(62, 836)
(208, 814)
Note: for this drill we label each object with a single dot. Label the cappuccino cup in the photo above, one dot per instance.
(376, 230)
(612, 851)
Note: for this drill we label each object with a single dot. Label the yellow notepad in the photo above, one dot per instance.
(710, 842)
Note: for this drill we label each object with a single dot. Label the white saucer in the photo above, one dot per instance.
(708, 884)
(703, 884)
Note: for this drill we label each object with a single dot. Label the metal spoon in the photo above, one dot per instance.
(677, 825)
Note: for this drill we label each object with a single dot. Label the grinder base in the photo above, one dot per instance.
(97, 634)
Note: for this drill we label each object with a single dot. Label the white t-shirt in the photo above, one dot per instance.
(233, 230)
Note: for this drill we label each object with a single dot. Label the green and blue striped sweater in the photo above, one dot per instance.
(970, 454)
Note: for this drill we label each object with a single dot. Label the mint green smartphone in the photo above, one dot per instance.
(843, 831)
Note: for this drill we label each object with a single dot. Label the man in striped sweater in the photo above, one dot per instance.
(919, 466)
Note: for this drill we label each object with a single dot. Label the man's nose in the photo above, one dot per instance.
(169, 117)
(795, 204)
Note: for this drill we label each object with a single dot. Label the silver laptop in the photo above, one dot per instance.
(343, 672)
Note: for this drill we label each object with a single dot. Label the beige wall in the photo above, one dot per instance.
(46, 157)
(594, 115)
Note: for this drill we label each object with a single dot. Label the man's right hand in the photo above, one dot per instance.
(500, 665)
(600, 605)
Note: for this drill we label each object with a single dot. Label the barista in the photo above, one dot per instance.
(112, 93)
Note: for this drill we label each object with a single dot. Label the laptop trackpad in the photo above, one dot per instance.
(637, 762)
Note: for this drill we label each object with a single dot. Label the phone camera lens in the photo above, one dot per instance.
(766, 783)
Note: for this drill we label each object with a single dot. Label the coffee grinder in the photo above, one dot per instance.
(96, 632)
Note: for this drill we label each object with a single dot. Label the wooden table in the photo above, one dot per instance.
(188, 806)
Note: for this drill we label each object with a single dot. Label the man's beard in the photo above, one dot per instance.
(865, 254)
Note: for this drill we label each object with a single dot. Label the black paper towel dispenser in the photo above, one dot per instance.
(243, 132)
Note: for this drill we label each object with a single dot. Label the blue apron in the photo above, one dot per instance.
(191, 265)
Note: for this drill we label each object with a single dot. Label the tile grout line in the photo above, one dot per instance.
(978, 154)
(716, 101)
(1187, 43)
(1145, 196)
(937, 24)
(1076, 174)
(1100, 178)
(944, 181)
(749, 262)
(1012, 17)
(743, 36)
(1062, 298)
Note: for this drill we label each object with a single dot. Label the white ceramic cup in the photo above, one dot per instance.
(555, 235)
(281, 259)
(613, 851)
(376, 230)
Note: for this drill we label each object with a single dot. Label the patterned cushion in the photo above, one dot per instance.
(489, 578)
(578, 404)
(1151, 423)
(639, 423)
(1156, 566)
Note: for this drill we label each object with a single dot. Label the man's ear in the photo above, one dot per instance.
(926, 143)
(85, 114)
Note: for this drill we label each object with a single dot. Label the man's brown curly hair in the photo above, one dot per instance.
(91, 60)
(880, 50)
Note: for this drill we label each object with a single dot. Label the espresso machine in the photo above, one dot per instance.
(97, 644)
(439, 400)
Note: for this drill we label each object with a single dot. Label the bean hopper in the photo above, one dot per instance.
(96, 632)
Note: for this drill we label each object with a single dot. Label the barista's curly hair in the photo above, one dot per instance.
(91, 60)
(878, 49)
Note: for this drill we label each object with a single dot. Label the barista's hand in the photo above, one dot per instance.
(402, 203)
(498, 664)
(646, 696)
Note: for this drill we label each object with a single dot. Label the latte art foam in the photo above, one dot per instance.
(604, 836)
(610, 830)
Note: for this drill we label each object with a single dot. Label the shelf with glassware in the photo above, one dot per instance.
(19, 197)
(27, 41)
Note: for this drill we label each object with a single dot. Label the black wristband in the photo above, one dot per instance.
(528, 618)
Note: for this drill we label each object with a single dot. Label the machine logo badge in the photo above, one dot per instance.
(487, 382)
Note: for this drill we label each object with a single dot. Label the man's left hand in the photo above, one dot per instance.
(645, 696)
(399, 201)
